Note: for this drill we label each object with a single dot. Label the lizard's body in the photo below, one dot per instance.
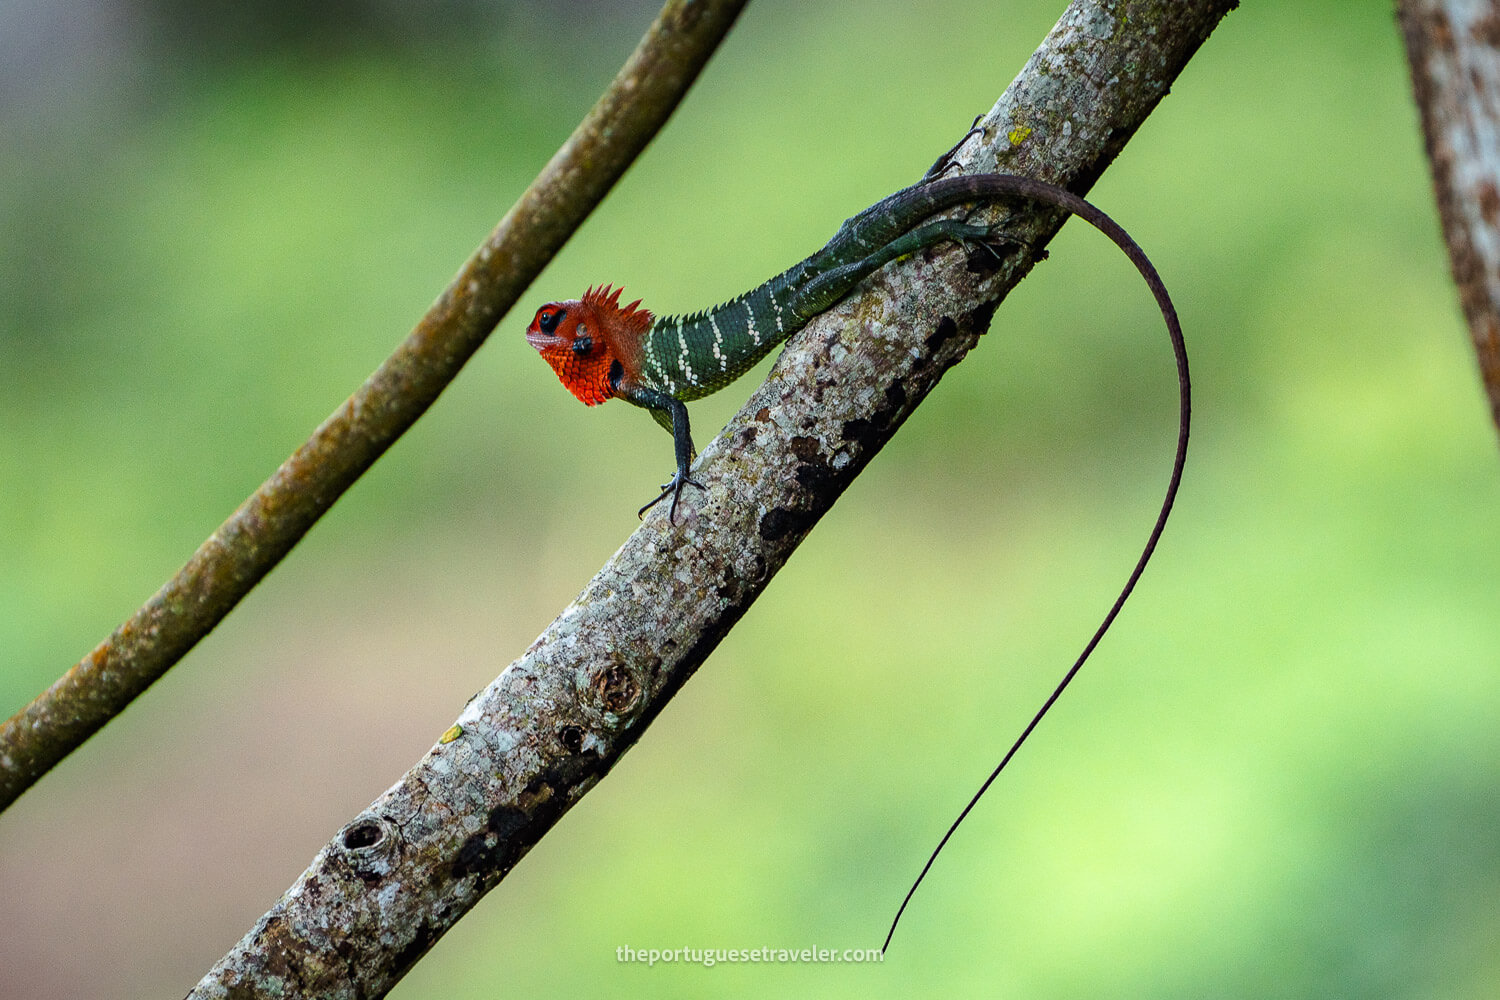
(602, 350)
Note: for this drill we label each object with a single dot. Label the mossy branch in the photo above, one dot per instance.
(266, 526)
(401, 873)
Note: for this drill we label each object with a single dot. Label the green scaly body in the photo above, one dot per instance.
(689, 357)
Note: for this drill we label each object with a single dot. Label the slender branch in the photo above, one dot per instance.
(526, 748)
(1453, 48)
(267, 525)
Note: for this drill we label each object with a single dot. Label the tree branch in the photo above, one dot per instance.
(552, 725)
(268, 524)
(1454, 52)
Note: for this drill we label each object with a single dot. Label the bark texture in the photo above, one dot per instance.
(557, 719)
(266, 526)
(1453, 47)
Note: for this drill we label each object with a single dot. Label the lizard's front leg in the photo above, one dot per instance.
(682, 441)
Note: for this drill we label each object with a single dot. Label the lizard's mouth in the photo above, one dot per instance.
(542, 341)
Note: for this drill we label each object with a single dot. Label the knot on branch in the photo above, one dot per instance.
(369, 846)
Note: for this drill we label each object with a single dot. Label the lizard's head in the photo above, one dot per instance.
(592, 343)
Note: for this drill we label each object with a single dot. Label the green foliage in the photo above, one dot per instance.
(1277, 777)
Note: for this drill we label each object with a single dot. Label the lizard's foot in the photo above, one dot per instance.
(674, 489)
(994, 239)
(943, 163)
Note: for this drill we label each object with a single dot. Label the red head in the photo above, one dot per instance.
(592, 343)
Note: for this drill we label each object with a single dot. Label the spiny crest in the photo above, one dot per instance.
(701, 314)
(629, 319)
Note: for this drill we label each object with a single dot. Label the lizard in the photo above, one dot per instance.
(601, 350)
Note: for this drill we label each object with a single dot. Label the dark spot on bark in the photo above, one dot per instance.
(862, 434)
(819, 479)
(979, 318)
(492, 849)
(343, 947)
(418, 946)
(808, 449)
(1489, 202)
(286, 956)
(946, 328)
(1486, 30)
(728, 588)
(815, 474)
(513, 828)
(617, 690)
(571, 737)
(363, 835)
(763, 414)
(982, 260)
(748, 436)
(507, 821)
(938, 351)
(780, 522)
(866, 435)
(1441, 30)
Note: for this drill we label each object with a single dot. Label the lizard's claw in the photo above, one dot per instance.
(674, 488)
(995, 239)
(946, 161)
(997, 242)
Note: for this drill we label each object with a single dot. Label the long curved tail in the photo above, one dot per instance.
(922, 200)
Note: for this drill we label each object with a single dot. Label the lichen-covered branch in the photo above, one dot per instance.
(1453, 47)
(557, 719)
(267, 525)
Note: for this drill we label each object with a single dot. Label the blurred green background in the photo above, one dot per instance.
(1279, 777)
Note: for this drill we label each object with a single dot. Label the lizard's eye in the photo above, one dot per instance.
(547, 320)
